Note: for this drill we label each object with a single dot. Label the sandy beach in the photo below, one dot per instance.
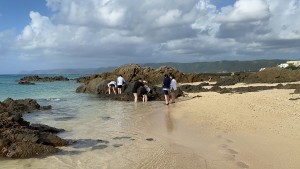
(252, 130)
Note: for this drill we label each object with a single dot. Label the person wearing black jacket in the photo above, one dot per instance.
(136, 86)
(166, 88)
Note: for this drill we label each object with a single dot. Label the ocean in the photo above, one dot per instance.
(102, 129)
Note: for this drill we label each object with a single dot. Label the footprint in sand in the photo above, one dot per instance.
(229, 157)
(223, 145)
(117, 145)
(231, 151)
(242, 164)
(229, 141)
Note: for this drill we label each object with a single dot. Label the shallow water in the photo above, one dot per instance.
(102, 132)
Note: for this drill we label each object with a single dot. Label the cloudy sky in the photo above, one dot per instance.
(49, 34)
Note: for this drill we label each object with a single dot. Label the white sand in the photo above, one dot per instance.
(253, 130)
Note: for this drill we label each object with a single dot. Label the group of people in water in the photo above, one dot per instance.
(169, 88)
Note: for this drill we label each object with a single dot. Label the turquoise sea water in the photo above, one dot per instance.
(85, 117)
(9, 87)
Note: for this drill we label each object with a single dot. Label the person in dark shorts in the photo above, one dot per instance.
(166, 88)
(145, 90)
(120, 83)
(112, 85)
(135, 88)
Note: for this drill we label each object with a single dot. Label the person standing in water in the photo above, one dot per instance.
(111, 85)
(135, 88)
(145, 90)
(120, 81)
(173, 87)
(166, 88)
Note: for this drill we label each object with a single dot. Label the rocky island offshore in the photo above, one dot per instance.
(27, 80)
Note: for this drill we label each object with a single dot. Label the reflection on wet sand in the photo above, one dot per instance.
(168, 120)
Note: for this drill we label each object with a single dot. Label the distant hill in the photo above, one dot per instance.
(71, 71)
(219, 66)
(198, 67)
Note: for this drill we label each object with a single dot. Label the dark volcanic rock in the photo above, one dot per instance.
(25, 83)
(19, 139)
(45, 128)
(192, 88)
(254, 88)
(297, 91)
(28, 149)
(274, 75)
(233, 79)
(97, 84)
(22, 106)
(269, 75)
(44, 79)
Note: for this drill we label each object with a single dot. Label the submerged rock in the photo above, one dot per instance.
(25, 82)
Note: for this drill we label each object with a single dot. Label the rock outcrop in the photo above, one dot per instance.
(44, 79)
(132, 72)
(99, 86)
(97, 83)
(274, 75)
(269, 75)
(19, 139)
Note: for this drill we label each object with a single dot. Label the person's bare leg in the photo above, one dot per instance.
(167, 98)
(119, 90)
(146, 98)
(135, 97)
(114, 89)
(173, 97)
(109, 90)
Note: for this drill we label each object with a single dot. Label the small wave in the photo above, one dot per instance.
(54, 99)
(51, 99)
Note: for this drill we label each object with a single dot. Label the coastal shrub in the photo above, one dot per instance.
(292, 67)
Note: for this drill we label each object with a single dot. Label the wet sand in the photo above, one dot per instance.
(253, 130)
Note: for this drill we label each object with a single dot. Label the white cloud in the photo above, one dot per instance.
(245, 11)
(111, 32)
(172, 16)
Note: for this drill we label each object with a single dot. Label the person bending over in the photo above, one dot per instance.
(112, 85)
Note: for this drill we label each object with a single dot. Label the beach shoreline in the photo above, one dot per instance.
(250, 130)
